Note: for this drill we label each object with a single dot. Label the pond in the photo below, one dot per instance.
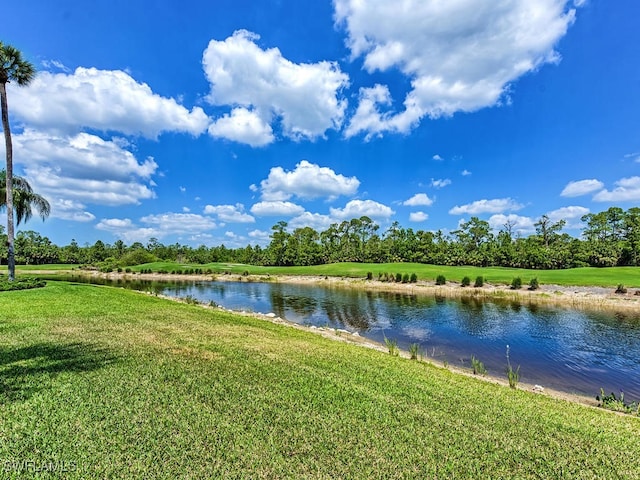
(576, 351)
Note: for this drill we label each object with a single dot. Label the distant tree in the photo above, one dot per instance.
(13, 68)
(548, 230)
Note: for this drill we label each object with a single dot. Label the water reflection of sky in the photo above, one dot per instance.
(575, 351)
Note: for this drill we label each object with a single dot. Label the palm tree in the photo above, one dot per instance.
(12, 68)
(24, 199)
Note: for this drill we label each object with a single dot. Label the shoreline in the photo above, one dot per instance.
(574, 297)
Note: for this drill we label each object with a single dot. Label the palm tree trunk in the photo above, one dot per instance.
(11, 261)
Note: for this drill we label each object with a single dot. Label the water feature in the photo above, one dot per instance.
(577, 351)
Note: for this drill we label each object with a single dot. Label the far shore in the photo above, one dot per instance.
(577, 297)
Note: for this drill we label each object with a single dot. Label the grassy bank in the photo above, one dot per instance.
(113, 383)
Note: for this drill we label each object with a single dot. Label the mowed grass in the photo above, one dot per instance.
(119, 384)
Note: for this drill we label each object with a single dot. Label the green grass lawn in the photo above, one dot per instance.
(112, 383)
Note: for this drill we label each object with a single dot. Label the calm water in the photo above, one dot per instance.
(570, 350)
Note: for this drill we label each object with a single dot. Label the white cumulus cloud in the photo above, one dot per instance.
(519, 225)
(459, 55)
(418, 217)
(303, 97)
(243, 126)
(307, 181)
(419, 200)
(498, 205)
(104, 100)
(627, 190)
(229, 213)
(76, 170)
(359, 208)
(316, 221)
(276, 208)
(567, 213)
(581, 187)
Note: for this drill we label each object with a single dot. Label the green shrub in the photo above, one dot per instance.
(533, 284)
(191, 300)
(405, 278)
(621, 289)
(127, 270)
(617, 404)
(478, 366)
(24, 283)
(414, 351)
(392, 345)
(441, 280)
(137, 257)
(369, 275)
(479, 281)
(516, 283)
(245, 273)
(466, 281)
(414, 278)
(398, 277)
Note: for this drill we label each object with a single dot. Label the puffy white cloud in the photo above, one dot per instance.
(627, 190)
(465, 173)
(419, 200)
(359, 208)
(303, 97)
(437, 157)
(567, 213)
(179, 222)
(581, 187)
(243, 126)
(440, 182)
(49, 183)
(307, 181)
(70, 210)
(260, 236)
(369, 119)
(80, 156)
(105, 100)
(418, 217)
(73, 171)
(158, 226)
(316, 221)
(498, 205)
(277, 208)
(520, 225)
(127, 230)
(460, 55)
(229, 213)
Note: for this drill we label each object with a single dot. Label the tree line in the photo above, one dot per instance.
(609, 238)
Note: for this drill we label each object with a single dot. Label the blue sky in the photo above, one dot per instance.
(208, 122)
